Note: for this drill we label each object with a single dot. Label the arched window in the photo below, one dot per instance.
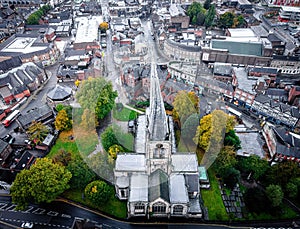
(159, 208)
(178, 210)
(139, 208)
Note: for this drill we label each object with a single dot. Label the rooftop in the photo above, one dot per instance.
(178, 191)
(138, 188)
(130, 162)
(184, 162)
(87, 29)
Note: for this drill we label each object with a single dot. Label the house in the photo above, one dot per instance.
(42, 114)
(156, 180)
(276, 112)
(224, 72)
(282, 144)
(5, 151)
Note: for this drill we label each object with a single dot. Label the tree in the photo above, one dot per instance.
(292, 190)
(88, 120)
(194, 12)
(103, 165)
(108, 138)
(282, 173)
(96, 94)
(114, 150)
(98, 192)
(37, 132)
(231, 139)
(274, 194)
(43, 182)
(185, 104)
(256, 200)
(230, 176)
(81, 174)
(210, 16)
(62, 121)
(254, 165)
(103, 26)
(215, 123)
(62, 157)
(207, 4)
(225, 159)
(189, 128)
(226, 20)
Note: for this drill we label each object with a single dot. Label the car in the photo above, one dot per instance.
(27, 225)
(7, 138)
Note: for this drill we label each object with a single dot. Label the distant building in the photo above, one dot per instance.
(289, 13)
(178, 17)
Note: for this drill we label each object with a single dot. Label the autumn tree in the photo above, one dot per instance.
(185, 104)
(114, 150)
(230, 20)
(274, 194)
(213, 123)
(62, 121)
(88, 120)
(103, 26)
(189, 128)
(226, 158)
(96, 95)
(37, 132)
(43, 182)
(98, 192)
(103, 165)
(62, 157)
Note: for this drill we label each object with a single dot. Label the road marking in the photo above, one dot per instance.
(39, 211)
(10, 208)
(65, 216)
(29, 209)
(52, 213)
(3, 206)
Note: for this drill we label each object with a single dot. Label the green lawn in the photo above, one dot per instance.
(81, 145)
(124, 114)
(212, 199)
(125, 139)
(113, 207)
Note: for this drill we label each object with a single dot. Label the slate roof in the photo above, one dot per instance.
(194, 206)
(60, 93)
(192, 182)
(184, 162)
(138, 188)
(262, 99)
(3, 145)
(130, 162)
(178, 191)
(158, 186)
(26, 159)
(244, 48)
(11, 63)
(35, 114)
(223, 69)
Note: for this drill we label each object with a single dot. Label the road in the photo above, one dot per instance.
(37, 100)
(59, 214)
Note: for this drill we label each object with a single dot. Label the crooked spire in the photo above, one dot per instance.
(158, 124)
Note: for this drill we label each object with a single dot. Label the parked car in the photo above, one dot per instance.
(27, 225)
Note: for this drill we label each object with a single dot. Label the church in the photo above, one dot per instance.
(156, 180)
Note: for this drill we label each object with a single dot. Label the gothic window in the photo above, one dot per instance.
(178, 209)
(159, 208)
(139, 208)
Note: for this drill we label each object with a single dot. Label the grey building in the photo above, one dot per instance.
(156, 180)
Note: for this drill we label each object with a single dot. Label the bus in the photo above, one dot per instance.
(10, 118)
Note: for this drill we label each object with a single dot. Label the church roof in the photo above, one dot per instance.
(158, 186)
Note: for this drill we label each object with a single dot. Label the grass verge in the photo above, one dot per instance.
(113, 206)
(212, 199)
(123, 114)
